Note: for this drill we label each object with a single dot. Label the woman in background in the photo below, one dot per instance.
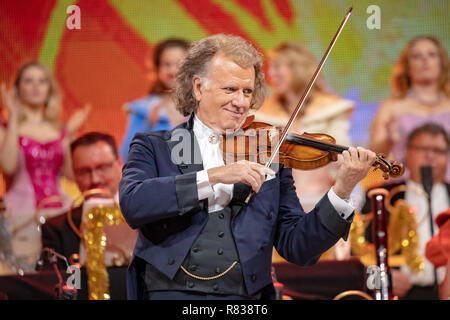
(34, 153)
(420, 93)
(157, 111)
(291, 66)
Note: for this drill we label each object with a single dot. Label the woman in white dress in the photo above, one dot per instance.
(291, 66)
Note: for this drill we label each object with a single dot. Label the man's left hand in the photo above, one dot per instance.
(356, 164)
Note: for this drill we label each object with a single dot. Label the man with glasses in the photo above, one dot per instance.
(95, 164)
(427, 145)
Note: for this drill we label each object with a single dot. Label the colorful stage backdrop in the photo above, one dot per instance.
(106, 61)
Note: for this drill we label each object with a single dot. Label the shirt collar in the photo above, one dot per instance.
(201, 130)
(418, 188)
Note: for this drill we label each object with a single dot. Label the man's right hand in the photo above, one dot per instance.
(250, 173)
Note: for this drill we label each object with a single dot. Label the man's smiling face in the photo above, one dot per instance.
(224, 93)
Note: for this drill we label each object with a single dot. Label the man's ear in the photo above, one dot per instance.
(197, 85)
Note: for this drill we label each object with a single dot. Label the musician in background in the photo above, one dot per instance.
(156, 111)
(96, 164)
(427, 145)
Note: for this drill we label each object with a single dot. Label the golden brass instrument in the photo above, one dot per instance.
(402, 229)
(352, 293)
(92, 234)
(359, 245)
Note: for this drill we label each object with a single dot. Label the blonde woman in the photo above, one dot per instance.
(291, 66)
(420, 93)
(34, 152)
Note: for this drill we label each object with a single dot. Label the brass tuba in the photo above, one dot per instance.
(402, 229)
(92, 234)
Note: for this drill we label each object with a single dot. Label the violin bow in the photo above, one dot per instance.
(305, 95)
(308, 89)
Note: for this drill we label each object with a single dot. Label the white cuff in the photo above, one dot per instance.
(343, 206)
(204, 188)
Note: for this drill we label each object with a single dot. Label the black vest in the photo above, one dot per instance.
(212, 254)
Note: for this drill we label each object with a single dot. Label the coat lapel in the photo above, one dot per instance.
(195, 163)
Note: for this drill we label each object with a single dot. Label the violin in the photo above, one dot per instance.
(255, 142)
(262, 143)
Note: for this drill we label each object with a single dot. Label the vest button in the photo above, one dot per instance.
(220, 252)
(164, 226)
(190, 284)
(217, 270)
(221, 215)
(215, 287)
(221, 234)
(270, 216)
(193, 268)
(195, 249)
(167, 135)
(171, 261)
(253, 277)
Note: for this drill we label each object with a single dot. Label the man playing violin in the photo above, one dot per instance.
(198, 237)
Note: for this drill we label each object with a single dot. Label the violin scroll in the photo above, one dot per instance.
(397, 169)
(393, 169)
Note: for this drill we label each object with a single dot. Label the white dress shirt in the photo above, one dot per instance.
(416, 198)
(221, 194)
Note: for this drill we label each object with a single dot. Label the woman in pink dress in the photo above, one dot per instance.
(420, 93)
(34, 154)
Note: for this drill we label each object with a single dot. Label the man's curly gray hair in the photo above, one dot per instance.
(197, 59)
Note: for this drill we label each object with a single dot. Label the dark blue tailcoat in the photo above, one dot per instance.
(160, 198)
